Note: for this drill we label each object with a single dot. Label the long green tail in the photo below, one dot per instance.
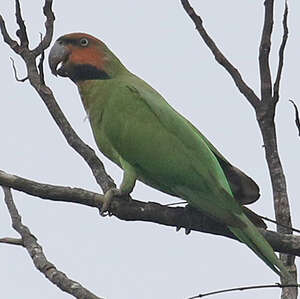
(254, 240)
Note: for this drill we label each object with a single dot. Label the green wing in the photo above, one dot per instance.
(244, 189)
(165, 150)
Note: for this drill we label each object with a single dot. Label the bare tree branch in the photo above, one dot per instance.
(12, 241)
(55, 193)
(297, 120)
(21, 32)
(7, 39)
(266, 286)
(141, 211)
(40, 261)
(221, 59)
(281, 54)
(264, 52)
(265, 117)
(15, 72)
(46, 41)
(275, 222)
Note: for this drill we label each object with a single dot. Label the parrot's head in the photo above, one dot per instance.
(81, 56)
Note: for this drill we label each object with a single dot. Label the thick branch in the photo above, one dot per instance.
(265, 116)
(39, 259)
(55, 193)
(140, 211)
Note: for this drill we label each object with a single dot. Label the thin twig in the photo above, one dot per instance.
(276, 285)
(46, 41)
(176, 203)
(39, 259)
(15, 72)
(7, 39)
(297, 120)
(278, 223)
(281, 54)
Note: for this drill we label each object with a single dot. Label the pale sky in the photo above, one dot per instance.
(157, 41)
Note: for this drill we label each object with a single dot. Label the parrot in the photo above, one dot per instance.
(135, 127)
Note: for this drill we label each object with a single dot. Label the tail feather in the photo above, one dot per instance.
(255, 241)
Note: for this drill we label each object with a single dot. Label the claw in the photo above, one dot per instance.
(187, 231)
(178, 228)
(188, 227)
(108, 196)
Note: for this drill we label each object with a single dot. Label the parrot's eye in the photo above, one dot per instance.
(84, 42)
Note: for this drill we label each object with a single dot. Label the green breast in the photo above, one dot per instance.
(94, 95)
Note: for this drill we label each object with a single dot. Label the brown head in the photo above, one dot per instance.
(81, 56)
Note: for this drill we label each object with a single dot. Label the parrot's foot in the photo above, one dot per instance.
(108, 196)
(187, 220)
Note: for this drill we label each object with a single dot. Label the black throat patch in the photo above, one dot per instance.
(86, 72)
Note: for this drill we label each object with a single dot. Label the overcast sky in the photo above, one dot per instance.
(157, 41)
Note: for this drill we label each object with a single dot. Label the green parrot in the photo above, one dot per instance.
(139, 131)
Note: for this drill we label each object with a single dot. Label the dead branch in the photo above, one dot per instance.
(265, 116)
(12, 241)
(22, 31)
(135, 210)
(264, 52)
(219, 56)
(39, 259)
(46, 41)
(281, 54)
(297, 120)
(15, 72)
